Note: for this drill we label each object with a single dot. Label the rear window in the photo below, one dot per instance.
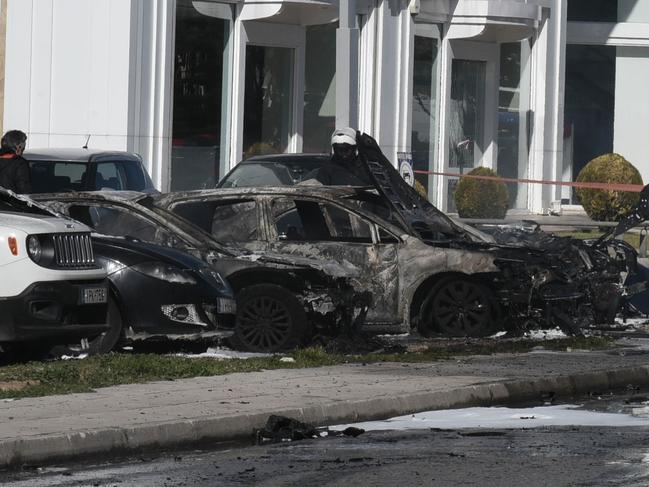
(120, 176)
(62, 176)
(268, 174)
(56, 177)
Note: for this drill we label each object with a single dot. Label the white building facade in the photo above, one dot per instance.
(532, 89)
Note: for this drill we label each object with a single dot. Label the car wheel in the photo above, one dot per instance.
(458, 307)
(107, 341)
(269, 319)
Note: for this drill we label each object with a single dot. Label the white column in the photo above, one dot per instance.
(151, 86)
(347, 65)
(547, 102)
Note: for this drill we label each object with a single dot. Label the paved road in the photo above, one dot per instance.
(553, 456)
(136, 417)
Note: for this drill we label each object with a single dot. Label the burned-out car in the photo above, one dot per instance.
(420, 267)
(279, 302)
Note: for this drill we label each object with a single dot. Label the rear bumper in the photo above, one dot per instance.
(52, 311)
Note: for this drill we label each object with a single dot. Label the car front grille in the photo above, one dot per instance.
(73, 250)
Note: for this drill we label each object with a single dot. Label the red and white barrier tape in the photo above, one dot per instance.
(636, 188)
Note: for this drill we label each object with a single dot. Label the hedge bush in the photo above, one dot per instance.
(604, 205)
(478, 198)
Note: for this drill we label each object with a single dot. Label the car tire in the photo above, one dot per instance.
(108, 340)
(458, 307)
(269, 319)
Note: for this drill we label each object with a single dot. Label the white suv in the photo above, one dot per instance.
(51, 291)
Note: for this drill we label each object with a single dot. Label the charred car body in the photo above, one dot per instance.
(278, 300)
(526, 278)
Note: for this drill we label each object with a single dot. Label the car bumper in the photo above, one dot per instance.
(53, 311)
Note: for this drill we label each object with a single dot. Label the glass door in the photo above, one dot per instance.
(268, 100)
(471, 112)
(269, 90)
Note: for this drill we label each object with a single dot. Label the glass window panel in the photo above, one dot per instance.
(268, 100)
(513, 106)
(608, 10)
(466, 113)
(592, 10)
(120, 222)
(199, 71)
(589, 105)
(424, 109)
(319, 87)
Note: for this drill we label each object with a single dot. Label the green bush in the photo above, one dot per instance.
(604, 205)
(479, 198)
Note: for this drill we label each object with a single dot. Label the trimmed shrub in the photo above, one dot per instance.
(604, 205)
(478, 198)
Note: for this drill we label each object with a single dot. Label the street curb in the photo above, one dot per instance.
(188, 432)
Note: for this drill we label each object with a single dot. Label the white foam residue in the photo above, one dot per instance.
(501, 417)
(224, 353)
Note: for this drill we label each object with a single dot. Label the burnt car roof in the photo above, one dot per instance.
(75, 154)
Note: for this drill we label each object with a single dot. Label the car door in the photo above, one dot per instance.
(232, 221)
(342, 239)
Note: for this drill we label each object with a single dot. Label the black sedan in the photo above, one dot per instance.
(159, 292)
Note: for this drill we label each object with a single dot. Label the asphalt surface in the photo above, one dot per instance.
(186, 413)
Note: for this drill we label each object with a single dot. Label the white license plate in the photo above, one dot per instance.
(226, 306)
(93, 295)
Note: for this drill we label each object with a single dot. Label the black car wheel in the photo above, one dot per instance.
(269, 319)
(107, 341)
(458, 307)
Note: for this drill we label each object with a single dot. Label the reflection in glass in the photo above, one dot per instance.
(513, 105)
(319, 87)
(268, 100)
(592, 10)
(424, 109)
(466, 113)
(589, 104)
(199, 71)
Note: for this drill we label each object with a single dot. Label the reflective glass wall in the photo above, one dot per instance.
(199, 121)
(513, 119)
(319, 87)
(268, 100)
(425, 124)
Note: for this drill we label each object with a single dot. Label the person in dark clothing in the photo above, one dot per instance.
(346, 169)
(14, 169)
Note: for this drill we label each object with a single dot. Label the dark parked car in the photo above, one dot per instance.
(281, 300)
(58, 170)
(159, 293)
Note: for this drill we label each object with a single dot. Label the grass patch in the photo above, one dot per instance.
(68, 376)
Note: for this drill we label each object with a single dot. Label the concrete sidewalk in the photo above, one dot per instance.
(212, 409)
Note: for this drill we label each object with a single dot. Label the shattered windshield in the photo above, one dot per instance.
(122, 222)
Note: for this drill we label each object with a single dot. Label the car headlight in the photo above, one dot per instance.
(164, 272)
(216, 280)
(34, 248)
